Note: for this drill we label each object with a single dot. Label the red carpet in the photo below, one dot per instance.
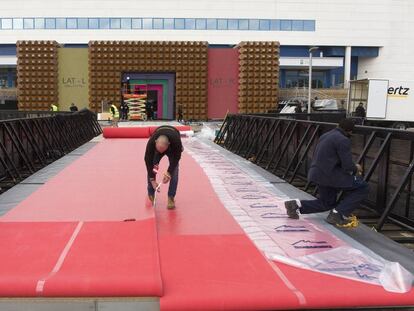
(68, 239)
(108, 256)
(106, 184)
(208, 264)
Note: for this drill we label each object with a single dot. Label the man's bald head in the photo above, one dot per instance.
(162, 143)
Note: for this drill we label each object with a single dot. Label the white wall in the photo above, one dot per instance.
(396, 57)
(381, 23)
(345, 22)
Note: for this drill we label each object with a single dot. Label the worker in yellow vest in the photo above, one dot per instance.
(54, 108)
(113, 110)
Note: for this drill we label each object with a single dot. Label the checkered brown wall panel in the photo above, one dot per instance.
(37, 74)
(109, 59)
(258, 76)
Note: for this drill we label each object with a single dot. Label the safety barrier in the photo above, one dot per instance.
(18, 114)
(285, 147)
(28, 144)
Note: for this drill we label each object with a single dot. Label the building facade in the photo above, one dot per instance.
(355, 39)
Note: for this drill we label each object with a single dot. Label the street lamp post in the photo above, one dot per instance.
(310, 77)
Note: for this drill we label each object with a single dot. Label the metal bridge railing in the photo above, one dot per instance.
(28, 144)
(18, 114)
(285, 147)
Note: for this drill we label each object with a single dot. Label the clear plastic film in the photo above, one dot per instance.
(304, 243)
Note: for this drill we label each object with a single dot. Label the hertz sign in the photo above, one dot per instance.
(398, 91)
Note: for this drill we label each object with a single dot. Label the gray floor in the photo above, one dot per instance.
(80, 304)
(363, 236)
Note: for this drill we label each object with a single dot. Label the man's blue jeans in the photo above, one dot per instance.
(172, 189)
(353, 196)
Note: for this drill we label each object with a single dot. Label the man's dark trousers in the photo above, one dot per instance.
(353, 196)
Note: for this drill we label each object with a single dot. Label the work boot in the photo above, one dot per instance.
(337, 219)
(151, 198)
(171, 203)
(292, 209)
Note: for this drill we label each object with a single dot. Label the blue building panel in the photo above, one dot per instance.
(294, 51)
(8, 49)
(365, 51)
(358, 51)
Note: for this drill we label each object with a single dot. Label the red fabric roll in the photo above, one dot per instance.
(181, 128)
(126, 132)
(152, 129)
(136, 132)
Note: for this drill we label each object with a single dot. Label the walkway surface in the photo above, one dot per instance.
(86, 229)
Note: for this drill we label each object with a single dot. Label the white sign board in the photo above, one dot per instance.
(377, 99)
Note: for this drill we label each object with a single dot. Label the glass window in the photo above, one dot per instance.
(264, 24)
(115, 23)
(179, 23)
(189, 23)
(3, 77)
(126, 23)
(60, 23)
(147, 23)
(233, 24)
(28, 23)
(243, 24)
(136, 23)
(297, 25)
(6, 23)
(201, 23)
(158, 23)
(72, 23)
(12, 77)
(309, 25)
(82, 23)
(50, 23)
(104, 23)
(93, 23)
(168, 23)
(275, 24)
(299, 78)
(222, 24)
(211, 23)
(254, 24)
(39, 23)
(286, 25)
(18, 23)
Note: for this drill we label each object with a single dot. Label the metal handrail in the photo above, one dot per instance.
(28, 144)
(284, 147)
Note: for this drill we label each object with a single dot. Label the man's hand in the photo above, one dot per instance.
(155, 169)
(167, 178)
(154, 185)
(359, 169)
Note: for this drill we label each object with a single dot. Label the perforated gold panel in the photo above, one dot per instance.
(258, 76)
(37, 74)
(108, 59)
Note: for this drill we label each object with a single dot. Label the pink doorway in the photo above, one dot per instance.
(153, 87)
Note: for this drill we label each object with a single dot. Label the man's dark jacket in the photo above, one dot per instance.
(152, 156)
(332, 163)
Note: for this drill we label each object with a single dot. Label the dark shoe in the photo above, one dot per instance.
(171, 203)
(338, 220)
(292, 209)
